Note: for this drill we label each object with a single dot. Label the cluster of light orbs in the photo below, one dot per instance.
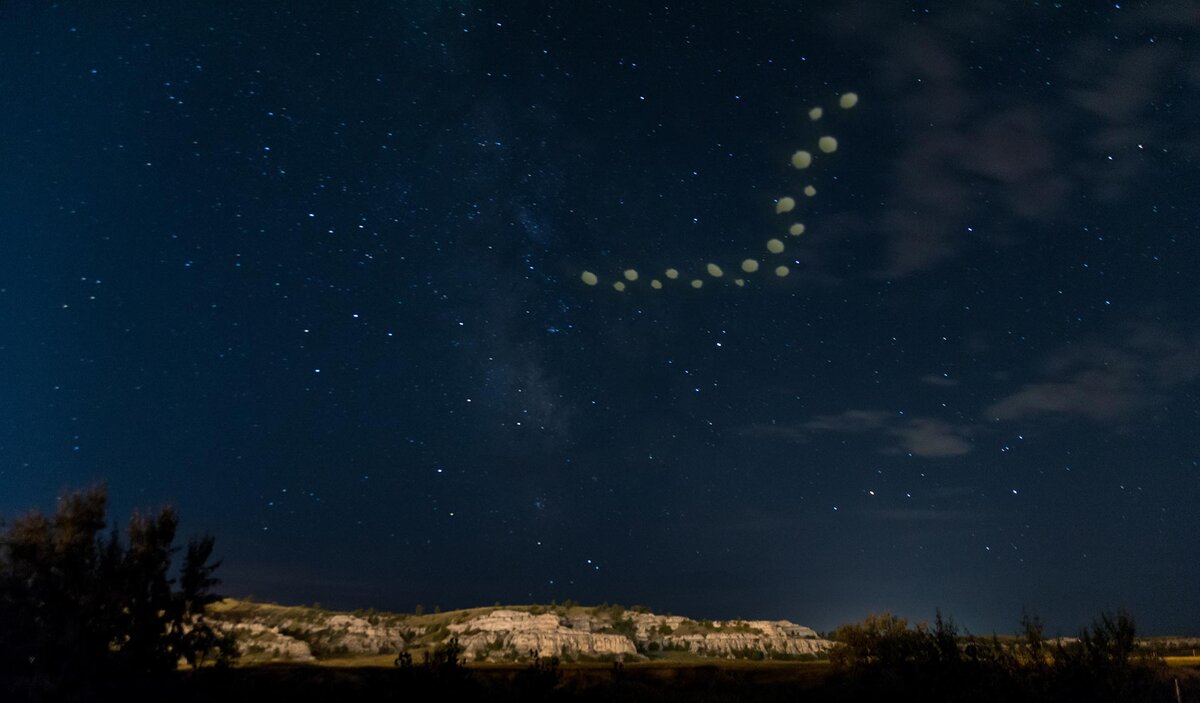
(801, 160)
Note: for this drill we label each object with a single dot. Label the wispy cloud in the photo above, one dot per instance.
(928, 515)
(920, 436)
(939, 379)
(1107, 382)
(927, 437)
(971, 153)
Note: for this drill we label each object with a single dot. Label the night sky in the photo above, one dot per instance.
(312, 275)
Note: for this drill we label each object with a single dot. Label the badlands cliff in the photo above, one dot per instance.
(610, 632)
(267, 632)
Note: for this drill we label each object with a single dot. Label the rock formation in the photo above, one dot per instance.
(509, 631)
(730, 638)
(301, 634)
(274, 632)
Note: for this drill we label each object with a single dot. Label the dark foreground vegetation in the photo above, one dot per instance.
(888, 664)
(86, 616)
(1104, 663)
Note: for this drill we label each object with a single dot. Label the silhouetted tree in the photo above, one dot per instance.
(76, 607)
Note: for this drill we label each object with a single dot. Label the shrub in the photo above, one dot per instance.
(625, 627)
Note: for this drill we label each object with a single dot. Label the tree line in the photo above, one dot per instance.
(1103, 663)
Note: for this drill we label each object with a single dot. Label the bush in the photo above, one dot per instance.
(622, 626)
(77, 608)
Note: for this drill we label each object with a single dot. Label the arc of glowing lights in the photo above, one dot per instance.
(801, 160)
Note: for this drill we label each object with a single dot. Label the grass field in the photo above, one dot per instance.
(389, 661)
(665, 664)
(1183, 661)
(712, 681)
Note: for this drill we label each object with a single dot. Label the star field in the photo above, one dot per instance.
(316, 277)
